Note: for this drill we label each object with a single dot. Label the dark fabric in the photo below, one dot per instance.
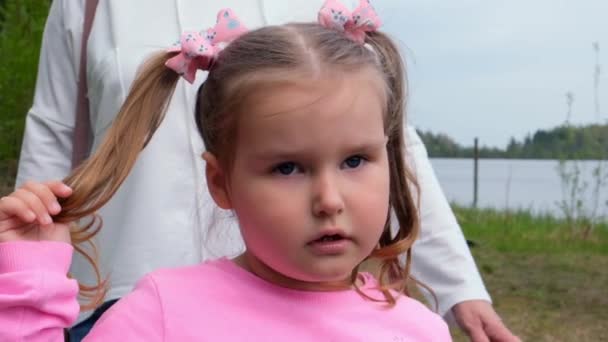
(83, 136)
(80, 330)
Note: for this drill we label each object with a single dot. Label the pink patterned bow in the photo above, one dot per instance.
(199, 49)
(335, 15)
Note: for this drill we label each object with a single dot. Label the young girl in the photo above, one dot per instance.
(302, 125)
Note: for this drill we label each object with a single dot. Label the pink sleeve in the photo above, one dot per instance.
(443, 332)
(37, 299)
(136, 317)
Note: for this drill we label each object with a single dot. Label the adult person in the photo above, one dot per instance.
(124, 33)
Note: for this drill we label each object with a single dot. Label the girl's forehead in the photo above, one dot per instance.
(333, 92)
(323, 109)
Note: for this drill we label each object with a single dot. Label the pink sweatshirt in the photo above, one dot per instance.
(214, 301)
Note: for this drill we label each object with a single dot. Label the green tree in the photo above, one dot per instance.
(562, 142)
(20, 36)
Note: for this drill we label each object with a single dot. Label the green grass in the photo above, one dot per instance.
(527, 233)
(548, 282)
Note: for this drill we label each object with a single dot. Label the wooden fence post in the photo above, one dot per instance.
(475, 171)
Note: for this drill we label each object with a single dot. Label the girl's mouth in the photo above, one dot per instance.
(326, 238)
(330, 244)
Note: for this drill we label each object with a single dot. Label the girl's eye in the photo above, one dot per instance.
(353, 162)
(285, 169)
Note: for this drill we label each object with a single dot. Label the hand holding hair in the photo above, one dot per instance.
(26, 214)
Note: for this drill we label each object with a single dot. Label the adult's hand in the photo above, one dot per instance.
(25, 215)
(481, 323)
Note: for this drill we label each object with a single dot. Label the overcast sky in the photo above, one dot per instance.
(496, 69)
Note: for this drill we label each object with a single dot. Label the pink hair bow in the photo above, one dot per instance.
(335, 15)
(197, 50)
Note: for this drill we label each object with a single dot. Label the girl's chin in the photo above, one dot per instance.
(324, 280)
(325, 275)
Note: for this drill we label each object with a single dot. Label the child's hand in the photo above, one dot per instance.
(26, 213)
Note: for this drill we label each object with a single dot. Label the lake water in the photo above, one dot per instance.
(516, 183)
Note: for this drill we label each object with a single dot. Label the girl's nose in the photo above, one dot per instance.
(327, 197)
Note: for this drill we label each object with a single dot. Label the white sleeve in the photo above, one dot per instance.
(441, 258)
(46, 152)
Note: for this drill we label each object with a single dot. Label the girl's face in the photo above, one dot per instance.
(310, 179)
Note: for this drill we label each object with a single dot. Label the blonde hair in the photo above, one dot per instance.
(266, 55)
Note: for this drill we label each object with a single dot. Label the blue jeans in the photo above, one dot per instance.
(80, 330)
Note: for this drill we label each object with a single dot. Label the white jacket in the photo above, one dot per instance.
(161, 215)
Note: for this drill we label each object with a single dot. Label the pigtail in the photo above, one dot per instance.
(96, 180)
(404, 204)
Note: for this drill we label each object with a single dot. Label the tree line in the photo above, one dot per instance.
(562, 142)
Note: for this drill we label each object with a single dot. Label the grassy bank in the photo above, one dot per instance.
(547, 282)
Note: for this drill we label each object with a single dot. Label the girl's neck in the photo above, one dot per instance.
(253, 265)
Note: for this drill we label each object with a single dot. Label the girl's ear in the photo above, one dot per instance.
(216, 181)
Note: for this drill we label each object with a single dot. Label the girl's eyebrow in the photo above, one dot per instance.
(369, 145)
(287, 153)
